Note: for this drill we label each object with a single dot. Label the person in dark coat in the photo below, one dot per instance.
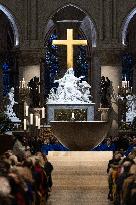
(48, 169)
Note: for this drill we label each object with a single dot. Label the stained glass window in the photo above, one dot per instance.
(51, 64)
(6, 78)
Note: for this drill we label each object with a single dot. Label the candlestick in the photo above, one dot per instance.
(31, 119)
(24, 124)
(23, 83)
(27, 107)
(43, 112)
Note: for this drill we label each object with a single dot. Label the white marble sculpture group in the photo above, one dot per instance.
(71, 90)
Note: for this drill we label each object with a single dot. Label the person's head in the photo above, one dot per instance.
(38, 154)
(8, 153)
(131, 156)
(117, 156)
(5, 191)
(4, 167)
(44, 157)
(13, 159)
(133, 169)
(134, 141)
(126, 166)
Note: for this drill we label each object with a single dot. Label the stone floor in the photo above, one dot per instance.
(79, 178)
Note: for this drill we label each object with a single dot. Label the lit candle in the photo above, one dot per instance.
(27, 107)
(39, 125)
(36, 120)
(31, 119)
(23, 83)
(24, 124)
(131, 89)
(128, 84)
(123, 82)
(73, 115)
(43, 112)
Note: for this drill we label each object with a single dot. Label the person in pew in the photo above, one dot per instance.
(48, 169)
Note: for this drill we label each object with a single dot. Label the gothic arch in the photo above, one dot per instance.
(91, 31)
(125, 25)
(13, 23)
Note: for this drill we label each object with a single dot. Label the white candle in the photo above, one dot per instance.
(39, 88)
(118, 88)
(73, 115)
(128, 84)
(36, 120)
(123, 84)
(31, 119)
(43, 112)
(39, 125)
(24, 124)
(27, 107)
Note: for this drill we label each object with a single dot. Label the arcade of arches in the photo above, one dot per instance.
(28, 27)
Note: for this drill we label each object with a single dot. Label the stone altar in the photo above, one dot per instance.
(52, 107)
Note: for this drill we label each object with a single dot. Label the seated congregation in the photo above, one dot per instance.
(122, 178)
(25, 179)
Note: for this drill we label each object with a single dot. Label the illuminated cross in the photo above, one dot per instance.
(70, 42)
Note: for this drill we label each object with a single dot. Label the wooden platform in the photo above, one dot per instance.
(79, 178)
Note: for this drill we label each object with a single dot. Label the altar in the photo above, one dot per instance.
(88, 108)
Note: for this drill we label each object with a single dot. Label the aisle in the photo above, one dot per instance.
(79, 178)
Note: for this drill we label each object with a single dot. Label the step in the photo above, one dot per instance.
(79, 156)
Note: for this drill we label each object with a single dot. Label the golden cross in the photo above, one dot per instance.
(70, 42)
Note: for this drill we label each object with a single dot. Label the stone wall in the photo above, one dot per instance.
(32, 16)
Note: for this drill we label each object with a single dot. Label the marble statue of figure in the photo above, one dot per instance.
(10, 112)
(71, 90)
(131, 104)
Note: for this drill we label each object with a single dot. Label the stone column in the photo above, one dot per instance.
(95, 82)
(111, 68)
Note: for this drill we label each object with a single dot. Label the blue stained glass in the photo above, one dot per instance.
(51, 64)
(6, 79)
(5, 67)
(81, 68)
(127, 67)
